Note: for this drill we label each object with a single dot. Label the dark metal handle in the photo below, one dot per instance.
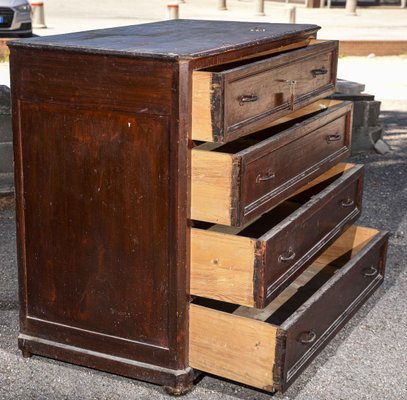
(319, 71)
(249, 98)
(370, 271)
(347, 203)
(307, 337)
(333, 138)
(268, 176)
(287, 256)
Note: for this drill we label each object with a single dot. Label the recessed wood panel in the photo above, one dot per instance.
(96, 189)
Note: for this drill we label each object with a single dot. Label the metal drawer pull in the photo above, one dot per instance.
(307, 337)
(268, 176)
(250, 98)
(370, 271)
(287, 256)
(333, 138)
(347, 203)
(319, 71)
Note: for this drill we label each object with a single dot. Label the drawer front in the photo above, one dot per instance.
(279, 173)
(273, 89)
(240, 181)
(234, 102)
(253, 267)
(310, 230)
(268, 348)
(317, 320)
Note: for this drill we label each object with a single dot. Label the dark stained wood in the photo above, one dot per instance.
(102, 176)
(292, 154)
(277, 85)
(175, 39)
(102, 132)
(289, 237)
(308, 231)
(279, 341)
(327, 310)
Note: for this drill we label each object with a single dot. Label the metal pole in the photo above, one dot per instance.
(172, 10)
(351, 7)
(260, 7)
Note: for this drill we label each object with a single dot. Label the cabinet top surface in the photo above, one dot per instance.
(176, 39)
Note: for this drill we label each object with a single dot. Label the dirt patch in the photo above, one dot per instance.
(6, 202)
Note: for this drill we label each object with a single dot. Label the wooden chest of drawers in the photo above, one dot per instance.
(181, 205)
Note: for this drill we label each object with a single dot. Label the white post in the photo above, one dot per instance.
(38, 14)
(403, 4)
(291, 13)
(351, 7)
(260, 7)
(172, 11)
(222, 5)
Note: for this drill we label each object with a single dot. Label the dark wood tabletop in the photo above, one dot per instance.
(174, 39)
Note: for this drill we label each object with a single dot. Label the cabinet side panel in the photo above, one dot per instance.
(97, 195)
(97, 206)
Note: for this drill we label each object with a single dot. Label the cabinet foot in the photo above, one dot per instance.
(179, 390)
(26, 354)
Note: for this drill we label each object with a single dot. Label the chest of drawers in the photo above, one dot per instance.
(180, 202)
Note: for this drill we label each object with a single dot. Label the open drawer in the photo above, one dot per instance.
(268, 348)
(232, 184)
(252, 265)
(232, 100)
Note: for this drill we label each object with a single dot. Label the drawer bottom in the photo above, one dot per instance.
(268, 348)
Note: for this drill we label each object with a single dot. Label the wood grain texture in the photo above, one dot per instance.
(232, 347)
(353, 239)
(337, 300)
(268, 82)
(176, 39)
(316, 305)
(212, 180)
(244, 193)
(245, 265)
(102, 167)
(222, 266)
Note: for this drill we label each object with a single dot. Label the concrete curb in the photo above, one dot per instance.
(362, 48)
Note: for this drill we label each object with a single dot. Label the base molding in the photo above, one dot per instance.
(179, 380)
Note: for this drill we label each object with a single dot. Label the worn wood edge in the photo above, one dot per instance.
(206, 84)
(353, 240)
(211, 186)
(105, 362)
(232, 347)
(337, 169)
(283, 297)
(322, 104)
(222, 266)
(378, 242)
(201, 106)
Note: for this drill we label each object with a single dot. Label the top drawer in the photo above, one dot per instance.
(232, 100)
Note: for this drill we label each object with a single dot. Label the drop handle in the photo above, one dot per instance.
(370, 271)
(319, 71)
(288, 256)
(307, 337)
(333, 138)
(247, 98)
(347, 203)
(264, 177)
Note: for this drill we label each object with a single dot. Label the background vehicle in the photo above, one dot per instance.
(15, 17)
